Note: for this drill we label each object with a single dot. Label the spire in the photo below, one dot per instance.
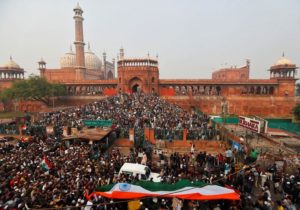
(71, 50)
(283, 54)
(248, 62)
(121, 53)
(10, 57)
(104, 55)
(89, 46)
(78, 8)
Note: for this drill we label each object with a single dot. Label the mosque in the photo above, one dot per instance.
(81, 65)
(230, 90)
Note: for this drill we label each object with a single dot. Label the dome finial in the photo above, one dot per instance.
(10, 57)
(283, 54)
(71, 50)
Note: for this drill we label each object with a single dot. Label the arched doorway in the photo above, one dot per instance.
(110, 75)
(136, 85)
(136, 88)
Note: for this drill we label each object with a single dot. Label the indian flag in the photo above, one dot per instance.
(46, 165)
(183, 189)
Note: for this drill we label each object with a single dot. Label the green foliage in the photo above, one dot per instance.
(34, 88)
(296, 112)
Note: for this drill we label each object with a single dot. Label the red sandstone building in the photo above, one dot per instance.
(230, 90)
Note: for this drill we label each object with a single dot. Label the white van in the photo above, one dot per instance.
(142, 171)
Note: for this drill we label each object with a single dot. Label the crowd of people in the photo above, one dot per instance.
(47, 172)
(135, 111)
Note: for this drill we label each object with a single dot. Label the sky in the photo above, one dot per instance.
(192, 38)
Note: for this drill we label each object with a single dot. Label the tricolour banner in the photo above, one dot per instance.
(182, 189)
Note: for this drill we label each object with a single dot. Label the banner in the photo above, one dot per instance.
(183, 189)
(97, 123)
(249, 123)
(167, 92)
(109, 92)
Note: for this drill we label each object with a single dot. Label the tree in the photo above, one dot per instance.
(5, 97)
(34, 88)
(296, 112)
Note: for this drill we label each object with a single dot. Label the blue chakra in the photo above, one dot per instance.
(124, 187)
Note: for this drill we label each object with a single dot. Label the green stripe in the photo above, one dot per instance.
(156, 186)
(105, 188)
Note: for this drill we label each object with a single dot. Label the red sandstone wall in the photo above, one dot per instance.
(231, 74)
(31, 106)
(263, 106)
(92, 74)
(286, 87)
(266, 106)
(5, 84)
(59, 75)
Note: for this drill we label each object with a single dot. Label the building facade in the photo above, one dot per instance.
(230, 91)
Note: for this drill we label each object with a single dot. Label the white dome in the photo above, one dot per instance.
(68, 60)
(11, 64)
(283, 61)
(91, 60)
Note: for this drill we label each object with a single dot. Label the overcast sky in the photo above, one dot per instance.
(191, 37)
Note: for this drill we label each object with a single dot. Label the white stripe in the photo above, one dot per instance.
(207, 190)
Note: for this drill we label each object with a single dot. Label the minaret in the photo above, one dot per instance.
(104, 65)
(114, 66)
(121, 53)
(79, 43)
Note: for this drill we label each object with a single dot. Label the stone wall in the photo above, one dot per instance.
(266, 106)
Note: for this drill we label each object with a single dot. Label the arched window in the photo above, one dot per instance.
(271, 90)
(218, 89)
(153, 79)
(258, 90)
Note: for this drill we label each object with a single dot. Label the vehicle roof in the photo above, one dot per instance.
(133, 167)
